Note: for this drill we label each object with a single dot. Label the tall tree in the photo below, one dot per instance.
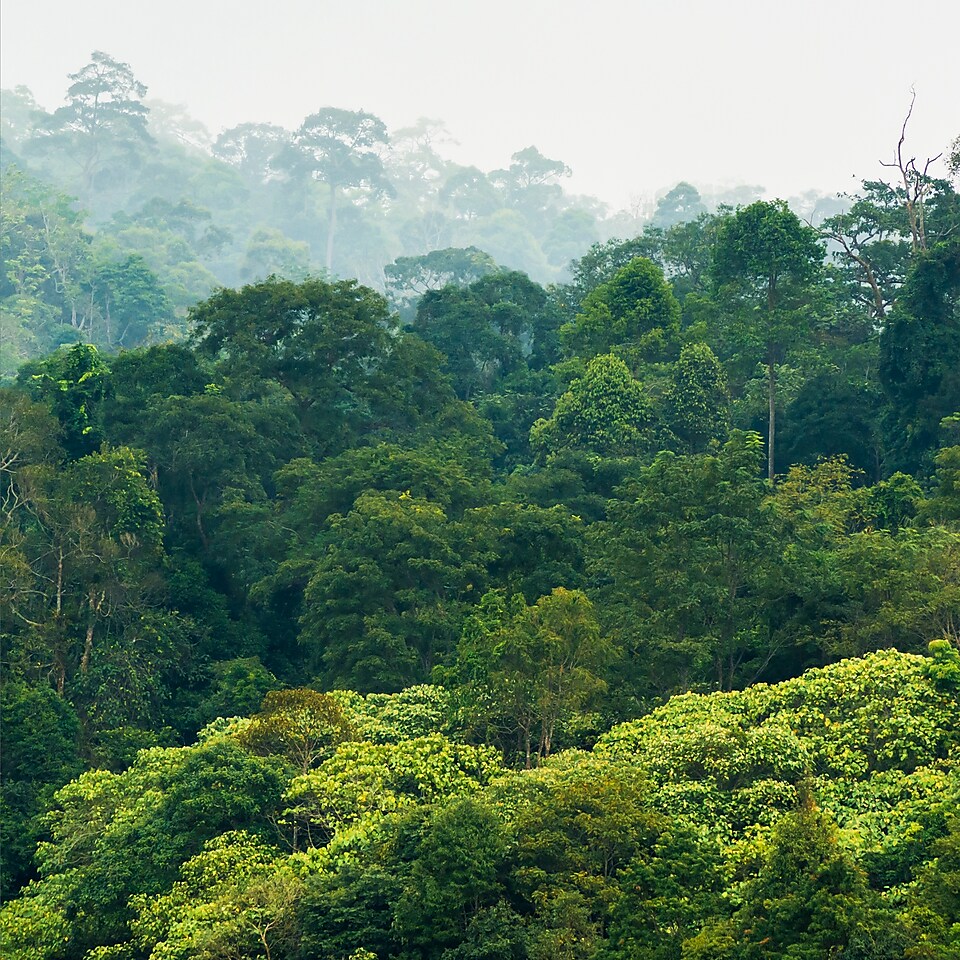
(765, 265)
(342, 148)
(103, 124)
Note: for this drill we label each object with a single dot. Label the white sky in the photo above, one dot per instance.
(634, 96)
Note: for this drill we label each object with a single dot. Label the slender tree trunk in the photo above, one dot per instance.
(772, 420)
(199, 505)
(59, 582)
(331, 226)
(87, 648)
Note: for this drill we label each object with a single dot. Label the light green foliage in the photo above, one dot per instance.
(32, 928)
(605, 413)
(735, 759)
(363, 780)
(234, 898)
(417, 711)
(117, 835)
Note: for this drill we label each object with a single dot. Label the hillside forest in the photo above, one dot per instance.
(402, 561)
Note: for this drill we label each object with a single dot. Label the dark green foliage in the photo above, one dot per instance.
(74, 382)
(669, 894)
(40, 754)
(920, 355)
(456, 871)
(605, 413)
(383, 601)
(634, 314)
(488, 330)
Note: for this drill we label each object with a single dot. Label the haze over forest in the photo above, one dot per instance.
(633, 98)
(406, 555)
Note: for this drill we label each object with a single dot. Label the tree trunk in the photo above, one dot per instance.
(331, 226)
(87, 648)
(772, 421)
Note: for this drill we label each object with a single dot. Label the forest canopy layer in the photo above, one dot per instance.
(397, 563)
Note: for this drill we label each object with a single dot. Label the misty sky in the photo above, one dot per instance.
(633, 96)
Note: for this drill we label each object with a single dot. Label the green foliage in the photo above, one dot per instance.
(74, 382)
(605, 413)
(634, 314)
(409, 278)
(697, 399)
(318, 341)
(364, 780)
(382, 603)
(919, 353)
(765, 265)
(302, 725)
(305, 495)
(527, 669)
(688, 545)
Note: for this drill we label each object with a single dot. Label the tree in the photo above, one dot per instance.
(488, 329)
(74, 383)
(765, 264)
(679, 205)
(103, 123)
(605, 413)
(409, 278)
(270, 253)
(920, 353)
(668, 894)
(811, 901)
(253, 148)
(322, 342)
(302, 725)
(457, 870)
(47, 269)
(688, 553)
(599, 265)
(382, 604)
(634, 313)
(530, 668)
(133, 303)
(341, 149)
(530, 185)
(697, 401)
